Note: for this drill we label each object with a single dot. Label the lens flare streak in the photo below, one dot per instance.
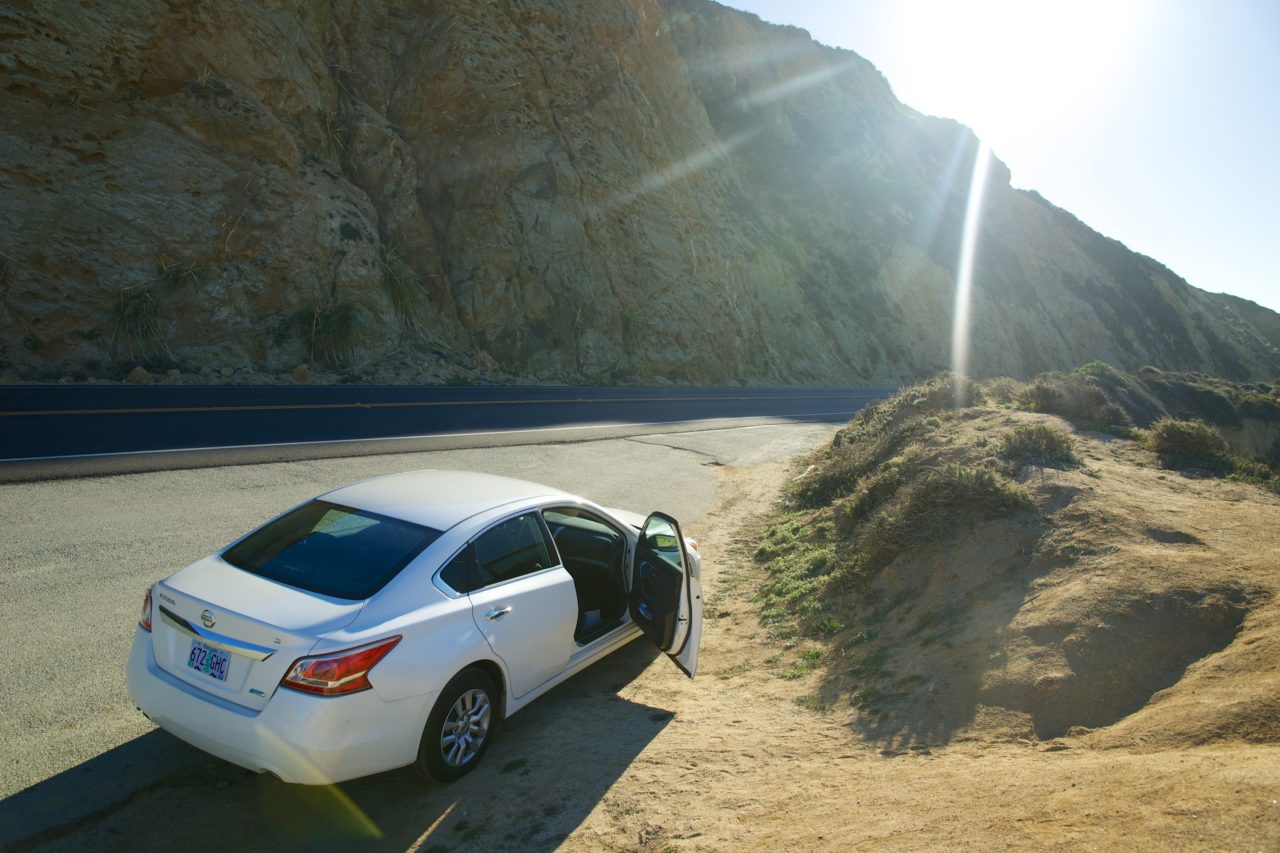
(793, 85)
(961, 319)
(684, 168)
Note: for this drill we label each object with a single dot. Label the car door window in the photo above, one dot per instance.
(661, 540)
(516, 547)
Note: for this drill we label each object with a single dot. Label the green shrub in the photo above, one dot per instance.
(1255, 473)
(1260, 407)
(1100, 371)
(1039, 444)
(829, 627)
(1181, 444)
(1002, 390)
(1041, 395)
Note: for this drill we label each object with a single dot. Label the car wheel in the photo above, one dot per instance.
(460, 726)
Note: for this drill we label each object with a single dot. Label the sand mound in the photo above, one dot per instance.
(1129, 606)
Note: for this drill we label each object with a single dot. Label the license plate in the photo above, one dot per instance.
(212, 662)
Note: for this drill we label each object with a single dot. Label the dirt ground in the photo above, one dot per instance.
(631, 755)
(745, 762)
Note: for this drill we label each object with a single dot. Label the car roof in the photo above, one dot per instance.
(437, 499)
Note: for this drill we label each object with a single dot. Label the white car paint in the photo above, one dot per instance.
(522, 629)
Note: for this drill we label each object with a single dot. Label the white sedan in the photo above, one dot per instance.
(397, 620)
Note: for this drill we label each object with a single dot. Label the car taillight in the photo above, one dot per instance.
(144, 621)
(337, 673)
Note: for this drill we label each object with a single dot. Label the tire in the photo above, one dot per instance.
(460, 727)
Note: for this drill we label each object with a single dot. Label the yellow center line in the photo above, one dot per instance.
(416, 404)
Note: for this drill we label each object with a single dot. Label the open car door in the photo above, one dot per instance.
(666, 591)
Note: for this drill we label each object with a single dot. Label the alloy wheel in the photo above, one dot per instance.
(465, 728)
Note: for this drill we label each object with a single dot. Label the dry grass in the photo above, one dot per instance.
(137, 319)
(331, 329)
(404, 289)
(174, 274)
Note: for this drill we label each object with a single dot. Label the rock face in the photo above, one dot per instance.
(626, 191)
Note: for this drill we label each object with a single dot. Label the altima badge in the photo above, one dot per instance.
(206, 616)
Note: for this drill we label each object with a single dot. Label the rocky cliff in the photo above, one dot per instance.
(630, 191)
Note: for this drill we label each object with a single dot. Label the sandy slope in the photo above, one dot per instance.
(743, 764)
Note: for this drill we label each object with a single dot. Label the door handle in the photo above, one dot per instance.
(497, 614)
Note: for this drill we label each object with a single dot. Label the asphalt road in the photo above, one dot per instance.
(46, 421)
(78, 554)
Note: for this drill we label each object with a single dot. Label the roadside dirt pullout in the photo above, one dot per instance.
(631, 755)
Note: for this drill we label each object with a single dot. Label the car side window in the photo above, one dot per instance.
(459, 574)
(517, 546)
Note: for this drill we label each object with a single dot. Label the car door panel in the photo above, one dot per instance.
(665, 599)
(522, 600)
(529, 622)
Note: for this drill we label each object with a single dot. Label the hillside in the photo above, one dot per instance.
(622, 191)
(1000, 572)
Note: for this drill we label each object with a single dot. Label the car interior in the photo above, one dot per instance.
(592, 551)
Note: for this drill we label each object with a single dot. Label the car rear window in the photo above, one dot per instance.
(330, 549)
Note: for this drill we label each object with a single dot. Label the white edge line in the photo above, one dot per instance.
(613, 425)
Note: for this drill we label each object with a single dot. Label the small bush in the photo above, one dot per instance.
(1099, 371)
(1039, 444)
(1041, 396)
(1249, 471)
(331, 330)
(1181, 444)
(829, 627)
(403, 287)
(1260, 407)
(1078, 397)
(138, 317)
(1002, 391)
(174, 274)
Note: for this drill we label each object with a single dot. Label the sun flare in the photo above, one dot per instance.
(1021, 70)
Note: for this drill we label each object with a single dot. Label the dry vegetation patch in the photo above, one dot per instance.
(993, 572)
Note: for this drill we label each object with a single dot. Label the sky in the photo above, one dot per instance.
(1156, 122)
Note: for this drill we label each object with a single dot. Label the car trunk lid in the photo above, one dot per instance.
(233, 634)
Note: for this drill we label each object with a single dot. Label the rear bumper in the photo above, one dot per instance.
(311, 740)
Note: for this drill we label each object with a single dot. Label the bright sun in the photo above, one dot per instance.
(1016, 70)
